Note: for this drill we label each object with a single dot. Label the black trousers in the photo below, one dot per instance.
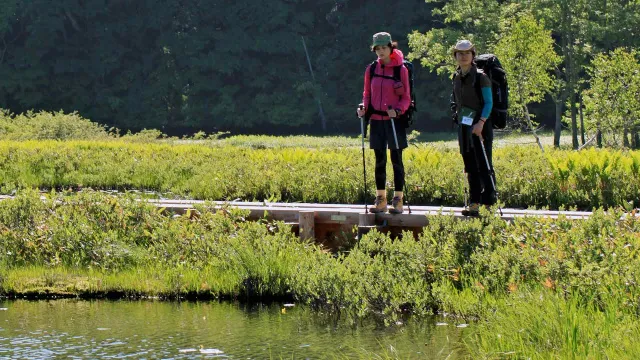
(381, 169)
(479, 176)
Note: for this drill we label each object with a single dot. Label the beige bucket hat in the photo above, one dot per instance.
(463, 45)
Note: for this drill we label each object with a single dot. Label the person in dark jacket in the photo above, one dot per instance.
(471, 103)
(385, 98)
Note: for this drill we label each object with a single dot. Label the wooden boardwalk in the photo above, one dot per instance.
(350, 214)
(326, 221)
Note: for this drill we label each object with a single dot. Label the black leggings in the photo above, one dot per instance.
(381, 169)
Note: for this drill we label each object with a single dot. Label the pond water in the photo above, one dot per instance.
(100, 329)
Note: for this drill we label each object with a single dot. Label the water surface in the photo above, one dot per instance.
(77, 329)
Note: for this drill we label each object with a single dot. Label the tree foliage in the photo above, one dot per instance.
(611, 102)
(187, 65)
(461, 19)
(527, 55)
(580, 30)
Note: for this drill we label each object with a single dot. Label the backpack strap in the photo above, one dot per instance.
(372, 69)
(476, 85)
(396, 72)
(372, 73)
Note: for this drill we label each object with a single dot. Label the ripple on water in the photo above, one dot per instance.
(211, 351)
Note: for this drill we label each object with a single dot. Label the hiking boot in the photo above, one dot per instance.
(472, 210)
(396, 205)
(380, 205)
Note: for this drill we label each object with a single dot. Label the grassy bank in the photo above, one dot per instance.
(61, 151)
(526, 178)
(574, 281)
(71, 126)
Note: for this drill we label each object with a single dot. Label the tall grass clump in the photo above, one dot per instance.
(45, 125)
(98, 237)
(548, 325)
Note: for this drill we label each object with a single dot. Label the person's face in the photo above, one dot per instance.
(464, 58)
(383, 51)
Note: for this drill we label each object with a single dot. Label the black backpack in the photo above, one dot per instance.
(491, 66)
(408, 116)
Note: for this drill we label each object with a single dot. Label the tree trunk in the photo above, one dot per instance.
(581, 121)
(599, 137)
(72, 19)
(533, 130)
(625, 138)
(323, 120)
(570, 69)
(574, 120)
(558, 125)
(636, 138)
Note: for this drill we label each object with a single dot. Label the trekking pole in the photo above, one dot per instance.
(395, 137)
(465, 191)
(406, 198)
(393, 126)
(492, 174)
(364, 164)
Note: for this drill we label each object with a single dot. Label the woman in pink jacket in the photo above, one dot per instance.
(386, 97)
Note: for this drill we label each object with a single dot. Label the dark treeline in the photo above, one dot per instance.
(186, 65)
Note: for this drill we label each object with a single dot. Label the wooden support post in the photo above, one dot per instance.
(366, 222)
(306, 221)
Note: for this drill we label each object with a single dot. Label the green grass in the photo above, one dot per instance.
(526, 178)
(60, 126)
(574, 281)
(557, 328)
(443, 140)
(71, 152)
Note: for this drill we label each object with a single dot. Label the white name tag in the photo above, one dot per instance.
(467, 120)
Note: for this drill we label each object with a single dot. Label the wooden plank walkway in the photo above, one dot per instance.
(325, 221)
(349, 213)
(322, 221)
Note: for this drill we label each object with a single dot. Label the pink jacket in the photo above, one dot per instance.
(379, 92)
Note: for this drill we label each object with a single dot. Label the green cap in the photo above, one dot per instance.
(381, 39)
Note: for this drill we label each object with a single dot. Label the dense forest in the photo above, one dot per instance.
(187, 65)
(283, 66)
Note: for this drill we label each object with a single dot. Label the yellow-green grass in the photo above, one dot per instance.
(526, 178)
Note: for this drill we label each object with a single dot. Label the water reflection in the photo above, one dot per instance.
(75, 329)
